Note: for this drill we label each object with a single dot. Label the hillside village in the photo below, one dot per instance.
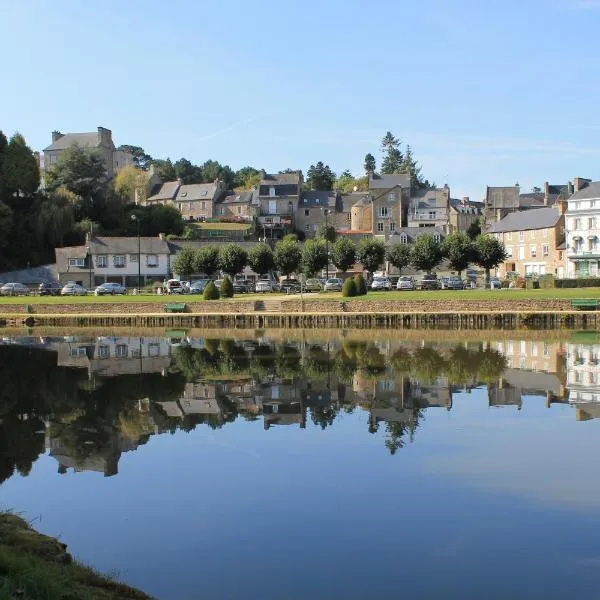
(552, 230)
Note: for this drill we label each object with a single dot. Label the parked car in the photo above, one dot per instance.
(290, 286)
(186, 287)
(334, 284)
(429, 282)
(110, 288)
(455, 283)
(406, 282)
(14, 289)
(73, 289)
(380, 283)
(197, 287)
(393, 279)
(266, 284)
(174, 286)
(242, 286)
(313, 285)
(50, 288)
(494, 283)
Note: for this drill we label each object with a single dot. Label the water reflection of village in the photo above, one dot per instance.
(88, 400)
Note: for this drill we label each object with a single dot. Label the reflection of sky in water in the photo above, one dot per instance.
(480, 505)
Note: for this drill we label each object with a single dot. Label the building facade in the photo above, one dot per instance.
(429, 208)
(583, 229)
(533, 242)
(99, 141)
(278, 197)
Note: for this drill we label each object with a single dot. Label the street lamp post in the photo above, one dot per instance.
(326, 212)
(89, 257)
(139, 279)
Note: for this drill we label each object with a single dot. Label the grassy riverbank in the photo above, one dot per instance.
(416, 296)
(34, 566)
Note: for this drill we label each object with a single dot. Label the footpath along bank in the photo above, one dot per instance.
(454, 311)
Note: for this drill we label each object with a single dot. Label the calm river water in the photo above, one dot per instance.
(298, 468)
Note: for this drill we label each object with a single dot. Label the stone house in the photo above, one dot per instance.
(549, 196)
(239, 205)
(194, 201)
(278, 197)
(310, 214)
(391, 197)
(463, 213)
(99, 141)
(429, 208)
(343, 214)
(501, 201)
(583, 229)
(532, 239)
(115, 260)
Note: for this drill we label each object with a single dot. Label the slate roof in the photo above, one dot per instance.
(176, 245)
(471, 206)
(164, 191)
(84, 140)
(412, 233)
(428, 198)
(317, 198)
(591, 190)
(363, 201)
(539, 218)
(281, 179)
(128, 245)
(535, 200)
(347, 201)
(237, 198)
(386, 182)
(196, 191)
(502, 197)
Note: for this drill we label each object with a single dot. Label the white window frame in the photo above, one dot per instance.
(153, 350)
(103, 352)
(133, 258)
(77, 262)
(121, 351)
(392, 226)
(380, 227)
(383, 211)
(152, 260)
(533, 251)
(102, 261)
(391, 197)
(546, 250)
(119, 261)
(509, 235)
(521, 236)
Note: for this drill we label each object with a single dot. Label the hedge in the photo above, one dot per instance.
(361, 284)
(211, 292)
(577, 283)
(349, 288)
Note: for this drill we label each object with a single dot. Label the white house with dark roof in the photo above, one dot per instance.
(583, 229)
(277, 199)
(99, 141)
(429, 207)
(114, 259)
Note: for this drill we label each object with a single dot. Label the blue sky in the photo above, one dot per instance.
(487, 93)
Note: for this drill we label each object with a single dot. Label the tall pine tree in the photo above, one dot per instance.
(392, 155)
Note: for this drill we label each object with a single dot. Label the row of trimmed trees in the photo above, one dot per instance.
(289, 256)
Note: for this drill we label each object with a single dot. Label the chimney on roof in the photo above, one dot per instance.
(570, 188)
(465, 200)
(561, 204)
(579, 183)
(546, 192)
(56, 135)
(104, 136)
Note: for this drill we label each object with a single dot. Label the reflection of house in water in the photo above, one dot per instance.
(281, 402)
(515, 383)
(114, 356)
(583, 379)
(200, 399)
(531, 355)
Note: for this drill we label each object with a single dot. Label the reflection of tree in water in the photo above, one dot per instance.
(323, 416)
(21, 443)
(396, 431)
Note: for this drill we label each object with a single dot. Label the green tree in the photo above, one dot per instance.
(489, 253)
(261, 259)
(55, 218)
(370, 254)
(20, 172)
(82, 172)
(343, 254)
(320, 177)
(211, 292)
(206, 260)
(411, 168)
(458, 249)
(184, 262)
(6, 224)
(392, 155)
(188, 172)
(398, 255)
(226, 288)
(164, 169)
(327, 232)
(232, 259)
(288, 255)
(474, 229)
(370, 164)
(213, 169)
(426, 252)
(130, 183)
(141, 160)
(361, 284)
(314, 256)
(349, 288)
(246, 178)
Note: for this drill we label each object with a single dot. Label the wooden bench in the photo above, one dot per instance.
(175, 307)
(585, 303)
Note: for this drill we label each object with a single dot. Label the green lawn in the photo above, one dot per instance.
(332, 296)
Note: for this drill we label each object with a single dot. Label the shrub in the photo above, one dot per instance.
(361, 284)
(226, 289)
(349, 288)
(211, 292)
(577, 283)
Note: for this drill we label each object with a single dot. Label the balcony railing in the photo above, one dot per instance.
(575, 253)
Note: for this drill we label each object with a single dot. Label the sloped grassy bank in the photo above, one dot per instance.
(34, 566)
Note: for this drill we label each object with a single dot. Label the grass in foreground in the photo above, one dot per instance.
(34, 566)
(481, 294)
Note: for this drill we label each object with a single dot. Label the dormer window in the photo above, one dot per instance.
(403, 238)
(272, 192)
(437, 237)
(203, 193)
